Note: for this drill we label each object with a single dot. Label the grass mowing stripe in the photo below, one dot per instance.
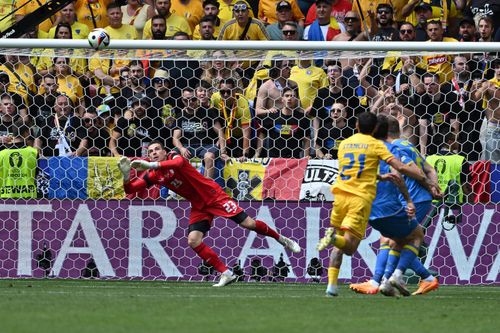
(154, 306)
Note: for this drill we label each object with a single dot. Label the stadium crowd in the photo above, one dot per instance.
(210, 105)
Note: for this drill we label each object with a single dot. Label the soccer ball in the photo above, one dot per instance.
(98, 39)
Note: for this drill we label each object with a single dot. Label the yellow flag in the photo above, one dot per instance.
(104, 179)
(244, 180)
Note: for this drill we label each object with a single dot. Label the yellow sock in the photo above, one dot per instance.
(333, 275)
(339, 242)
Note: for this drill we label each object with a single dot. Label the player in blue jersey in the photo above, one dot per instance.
(354, 192)
(393, 260)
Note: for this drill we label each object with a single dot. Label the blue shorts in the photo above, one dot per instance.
(423, 209)
(395, 226)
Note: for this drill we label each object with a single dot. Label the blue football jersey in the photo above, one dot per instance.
(409, 154)
(387, 201)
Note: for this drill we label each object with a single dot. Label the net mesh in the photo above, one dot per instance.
(267, 128)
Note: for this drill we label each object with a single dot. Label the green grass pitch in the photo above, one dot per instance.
(73, 306)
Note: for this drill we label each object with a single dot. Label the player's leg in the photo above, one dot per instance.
(428, 282)
(333, 272)
(371, 286)
(197, 230)
(350, 213)
(262, 228)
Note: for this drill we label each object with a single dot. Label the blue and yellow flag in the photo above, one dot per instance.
(67, 177)
(105, 180)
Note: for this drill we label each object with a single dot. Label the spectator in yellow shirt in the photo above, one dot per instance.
(243, 27)
(191, 10)
(174, 23)
(226, 10)
(210, 8)
(267, 11)
(25, 7)
(67, 15)
(92, 13)
(116, 29)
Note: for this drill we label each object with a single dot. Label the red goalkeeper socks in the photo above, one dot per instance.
(263, 229)
(207, 254)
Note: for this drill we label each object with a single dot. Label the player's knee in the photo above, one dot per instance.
(193, 242)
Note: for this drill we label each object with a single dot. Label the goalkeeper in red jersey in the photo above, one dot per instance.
(207, 201)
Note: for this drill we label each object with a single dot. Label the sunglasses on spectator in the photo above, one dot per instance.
(241, 7)
(289, 32)
(160, 80)
(225, 91)
(189, 99)
(351, 19)
(405, 31)
(384, 11)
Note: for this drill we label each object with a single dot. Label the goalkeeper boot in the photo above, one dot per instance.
(398, 283)
(387, 289)
(226, 279)
(289, 244)
(364, 288)
(327, 240)
(425, 287)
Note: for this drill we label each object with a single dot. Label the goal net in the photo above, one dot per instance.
(265, 125)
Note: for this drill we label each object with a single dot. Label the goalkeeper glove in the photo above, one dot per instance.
(124, 166)
(141, 165)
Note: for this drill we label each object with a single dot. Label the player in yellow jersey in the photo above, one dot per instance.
(355, 190)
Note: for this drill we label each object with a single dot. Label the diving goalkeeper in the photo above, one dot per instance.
(207, 201)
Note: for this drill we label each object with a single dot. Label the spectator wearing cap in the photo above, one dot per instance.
(284, 14)
(268, 11)
(325, 27)
(210, 8)
(339, 10)
(467, 30)
(198, 132)
(173, 22)
(94, 134)
(243, 27)
(162, 104)
(446, 14)
(133, 132)
(421, 13)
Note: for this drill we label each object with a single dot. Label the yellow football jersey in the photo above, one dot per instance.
(174, 23)
(359, 158)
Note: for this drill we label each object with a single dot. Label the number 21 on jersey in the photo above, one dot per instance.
(352, 164)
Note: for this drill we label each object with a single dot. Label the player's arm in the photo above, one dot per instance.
(400, 183)
(130, 186)
(175, 163)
